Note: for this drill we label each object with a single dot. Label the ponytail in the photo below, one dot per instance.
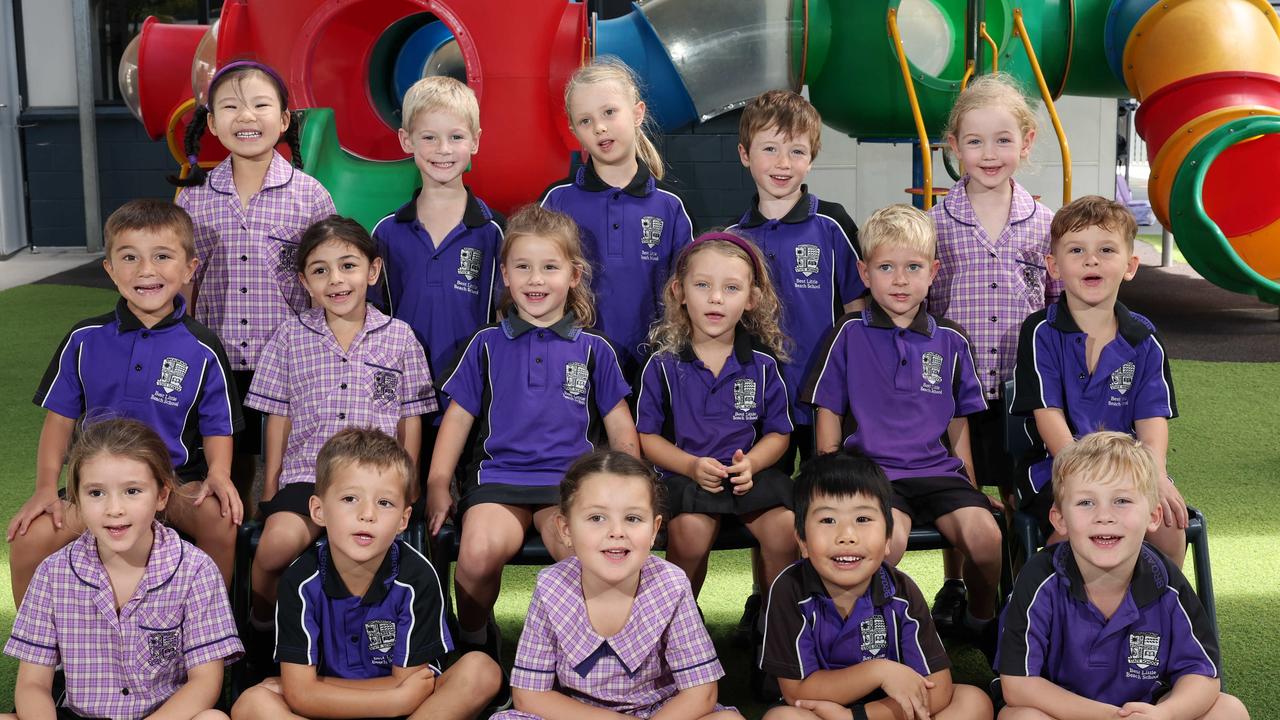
(293, 136)
(648, 152)
(191, 146)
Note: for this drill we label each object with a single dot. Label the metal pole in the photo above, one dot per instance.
(88, 125)
(973, 43)
(1166, 247)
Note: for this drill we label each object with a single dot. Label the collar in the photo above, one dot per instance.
(474, 215)
(880, 589)
(279, 173)
(875, 316)
(1150, 577)
(374, 320)
(334, 587)
(642, 183)
(167, 551)
(128, 322)
(651, 613)
(1129, 327)
(743, 345)
(958, 207)
(566, 327)
(804, 209)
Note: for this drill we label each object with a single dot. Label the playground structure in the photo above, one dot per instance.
(1207, 74)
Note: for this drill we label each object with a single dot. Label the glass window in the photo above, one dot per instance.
(116, 22)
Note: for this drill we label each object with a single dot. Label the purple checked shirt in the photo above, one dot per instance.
(126, 664)
(989, 285)
(662, 649)
(305, 375)
(247, 282)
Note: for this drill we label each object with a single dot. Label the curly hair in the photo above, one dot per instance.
(536, 221)
(672, 334)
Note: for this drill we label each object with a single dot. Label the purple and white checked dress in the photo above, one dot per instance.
(663, 648)
(247, 281)
(125, 665)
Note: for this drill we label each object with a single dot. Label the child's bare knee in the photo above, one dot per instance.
(786, 712)
(1227, 707)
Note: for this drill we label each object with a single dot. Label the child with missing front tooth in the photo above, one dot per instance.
(361, 615)
(847, 635)
(1103, 625)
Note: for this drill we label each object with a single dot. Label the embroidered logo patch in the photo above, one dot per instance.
(172, 371)
(650, 230)
(1122, 378)
(875, 637)
(575, 382)
(807, 259)
(163, 646)
(288, 258)
(931, 367)
(469, 262)
(744, 394)
(1031, 276)
(381, 635)
(385, 387)
(1144, 649)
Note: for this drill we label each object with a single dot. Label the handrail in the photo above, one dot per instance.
(1021, 27)
(991, 43)
(968, 75)
(926, 152)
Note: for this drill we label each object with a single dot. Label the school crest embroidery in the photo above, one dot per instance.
(172, 371)
(1144, 649)
(875, 637)
(650, 230)
(288, 257)
(385, 386)
(807, 258)
(469, 262)
(1031, 276)
(931, 367)
(575, 382)
(1122, 378)
(163, 646)
(744, 394)
(381, 635)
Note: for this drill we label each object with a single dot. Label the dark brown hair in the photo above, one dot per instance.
(363, 446)
(335, 227)
(121, 437)
(609, 462)
(1094, 211)
(151, 215)
(788, 111)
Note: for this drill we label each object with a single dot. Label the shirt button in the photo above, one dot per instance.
(1078, 341)
(344, 359)
(343, 386)
(1082, 376)
(342, 416)
(993, 351)
(244, 344)
(244, 362)
(993, 318)
(124, 691)
(244, 321)
(146, 334)
(904, 362)
(355, 638)
(615, 226)
(538, 360)
(244, 290)
(542, 333)
(902, 333)
(244, 258)
(138, 367)
(993, 372)
(994, 286)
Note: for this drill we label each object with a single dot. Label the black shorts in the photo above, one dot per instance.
(294, 498)
(799, 449)
(991, 464)
(771, 488)
(249, 440)
(925, 499)
(530, 495)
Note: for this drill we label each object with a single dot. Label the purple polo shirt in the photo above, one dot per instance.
(125, 664)
(174, 377)
(305, 375)
(400, 620)
(1159, 633)
(812, 253)
(539, 396)
(989, 285)
(712, 416)
(1131, 382)
(804, 631)
(662, 649)
(902, 386)
(444, 291)
(247, 280)
(631, 236)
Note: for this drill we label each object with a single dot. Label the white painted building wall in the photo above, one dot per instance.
(50, 55)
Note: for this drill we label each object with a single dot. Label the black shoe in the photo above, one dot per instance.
(949, 606)
(492, 645)
(747, 623)
(988, 639)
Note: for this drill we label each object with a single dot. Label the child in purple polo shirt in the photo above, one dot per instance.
(1087, 363)
(847, 634)
(906, 380)
(340, 364)
(1103, 625)
(249, 212)
(632, 223)
(713, 411)
(613, 629)
(137, 617)
(538, 390)
(150, 361)
(362, 617)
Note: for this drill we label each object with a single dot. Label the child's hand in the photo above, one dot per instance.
(825, 709)
(39, 503)
(1175, 508)
(221, 487)
(439, 506)
(417, 687)
(709, 473)
(740, 473)
(906, 687)
(1143, 711)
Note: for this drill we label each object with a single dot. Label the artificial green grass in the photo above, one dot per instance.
(1224, 454)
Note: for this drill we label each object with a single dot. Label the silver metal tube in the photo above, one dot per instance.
(1166, 247)
(88, 125)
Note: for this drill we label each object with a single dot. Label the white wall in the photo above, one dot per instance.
(866, 176)
(47, 35)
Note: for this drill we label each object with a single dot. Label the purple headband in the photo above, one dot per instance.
(241, 65)
(740, 242)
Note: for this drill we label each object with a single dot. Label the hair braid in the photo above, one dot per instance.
(191, 146)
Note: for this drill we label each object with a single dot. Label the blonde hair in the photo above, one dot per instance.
(536, 221)
(440, 93)
(899, 226)
(994, 90)
(610, 69)
(1093, 211)
(365, 447)
(786, 110)
(673, 333)
(119, 437)
(1106, 457)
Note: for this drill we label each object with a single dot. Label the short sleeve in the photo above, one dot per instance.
(1027, 621)
(825, 387)
(420, 394)
(297, 621)
(922, 649)
(1155, 391)
(608, 381)
(423, 635)
(60, 390)
(270, 390)
(321, 202)
(379, 293)
(965, 385)
(1194, 649)
(1037, 375)
(652, 403)
(788, 649)
(465, 382)
(777, 401)
(844, 243)
(220, 412)
(535, 664)
(34, 638)
(688, 651)
(208, 627)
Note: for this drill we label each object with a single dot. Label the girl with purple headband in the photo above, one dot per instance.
(249, 213)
